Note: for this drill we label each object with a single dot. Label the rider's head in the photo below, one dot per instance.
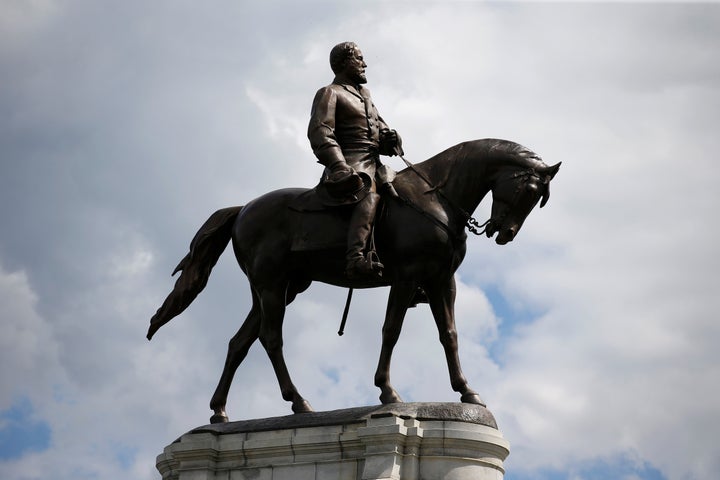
(346, 59)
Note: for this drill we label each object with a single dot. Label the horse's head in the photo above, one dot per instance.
(515, 193)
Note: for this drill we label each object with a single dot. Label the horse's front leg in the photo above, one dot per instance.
(398, 302)
(441, 295)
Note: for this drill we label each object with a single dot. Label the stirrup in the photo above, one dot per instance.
(364, 267)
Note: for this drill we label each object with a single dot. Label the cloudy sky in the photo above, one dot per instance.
(593, 337)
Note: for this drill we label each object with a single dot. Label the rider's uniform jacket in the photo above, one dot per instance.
(345, 125)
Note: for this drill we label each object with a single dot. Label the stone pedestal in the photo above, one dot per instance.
(406, 441)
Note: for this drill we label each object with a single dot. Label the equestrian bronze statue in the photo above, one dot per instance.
(363, 226)
(286, 239)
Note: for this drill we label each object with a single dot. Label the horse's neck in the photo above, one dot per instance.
(462, 173)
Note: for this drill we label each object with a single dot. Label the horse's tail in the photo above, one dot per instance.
(205, 250)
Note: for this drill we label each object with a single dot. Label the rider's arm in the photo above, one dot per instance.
(321, 131)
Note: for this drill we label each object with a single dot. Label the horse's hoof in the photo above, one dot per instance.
(219, 418)
(390, 398)
(472, 398)
(302, 407)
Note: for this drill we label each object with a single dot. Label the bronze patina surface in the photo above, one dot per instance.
(419, 236)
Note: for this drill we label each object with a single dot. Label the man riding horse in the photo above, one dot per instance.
(421, 237)
(347, 136)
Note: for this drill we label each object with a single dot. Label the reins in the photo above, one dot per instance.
(470, 222)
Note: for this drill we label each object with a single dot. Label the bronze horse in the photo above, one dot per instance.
(419, 236)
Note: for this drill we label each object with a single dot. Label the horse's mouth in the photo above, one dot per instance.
(500, 240)
(506, 235)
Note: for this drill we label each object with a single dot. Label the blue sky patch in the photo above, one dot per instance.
(20, 432)
(332, 373)
(125, 456)
(621, 466)
(510, 316)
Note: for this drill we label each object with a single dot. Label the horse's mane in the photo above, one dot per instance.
(507, 150)
(486, 148)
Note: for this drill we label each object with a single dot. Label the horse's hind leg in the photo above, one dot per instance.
(237, 351)
(273, 302)
(442, 303)
(398, 302)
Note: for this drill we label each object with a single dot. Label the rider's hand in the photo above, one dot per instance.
(339, 167)
(390, 142)
(389, 136)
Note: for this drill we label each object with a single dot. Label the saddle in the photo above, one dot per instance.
(321, 223)
(322, 218)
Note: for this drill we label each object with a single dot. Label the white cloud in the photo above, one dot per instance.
(125, 133)
(28, 353)
(20, 19)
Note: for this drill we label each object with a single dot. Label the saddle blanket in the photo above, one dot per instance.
(318, 226)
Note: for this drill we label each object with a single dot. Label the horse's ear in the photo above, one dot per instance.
(550, 173)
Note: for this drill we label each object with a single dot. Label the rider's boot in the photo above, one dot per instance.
(360, 266)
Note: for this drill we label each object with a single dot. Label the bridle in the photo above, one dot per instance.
(471, 223)
(526, 175)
